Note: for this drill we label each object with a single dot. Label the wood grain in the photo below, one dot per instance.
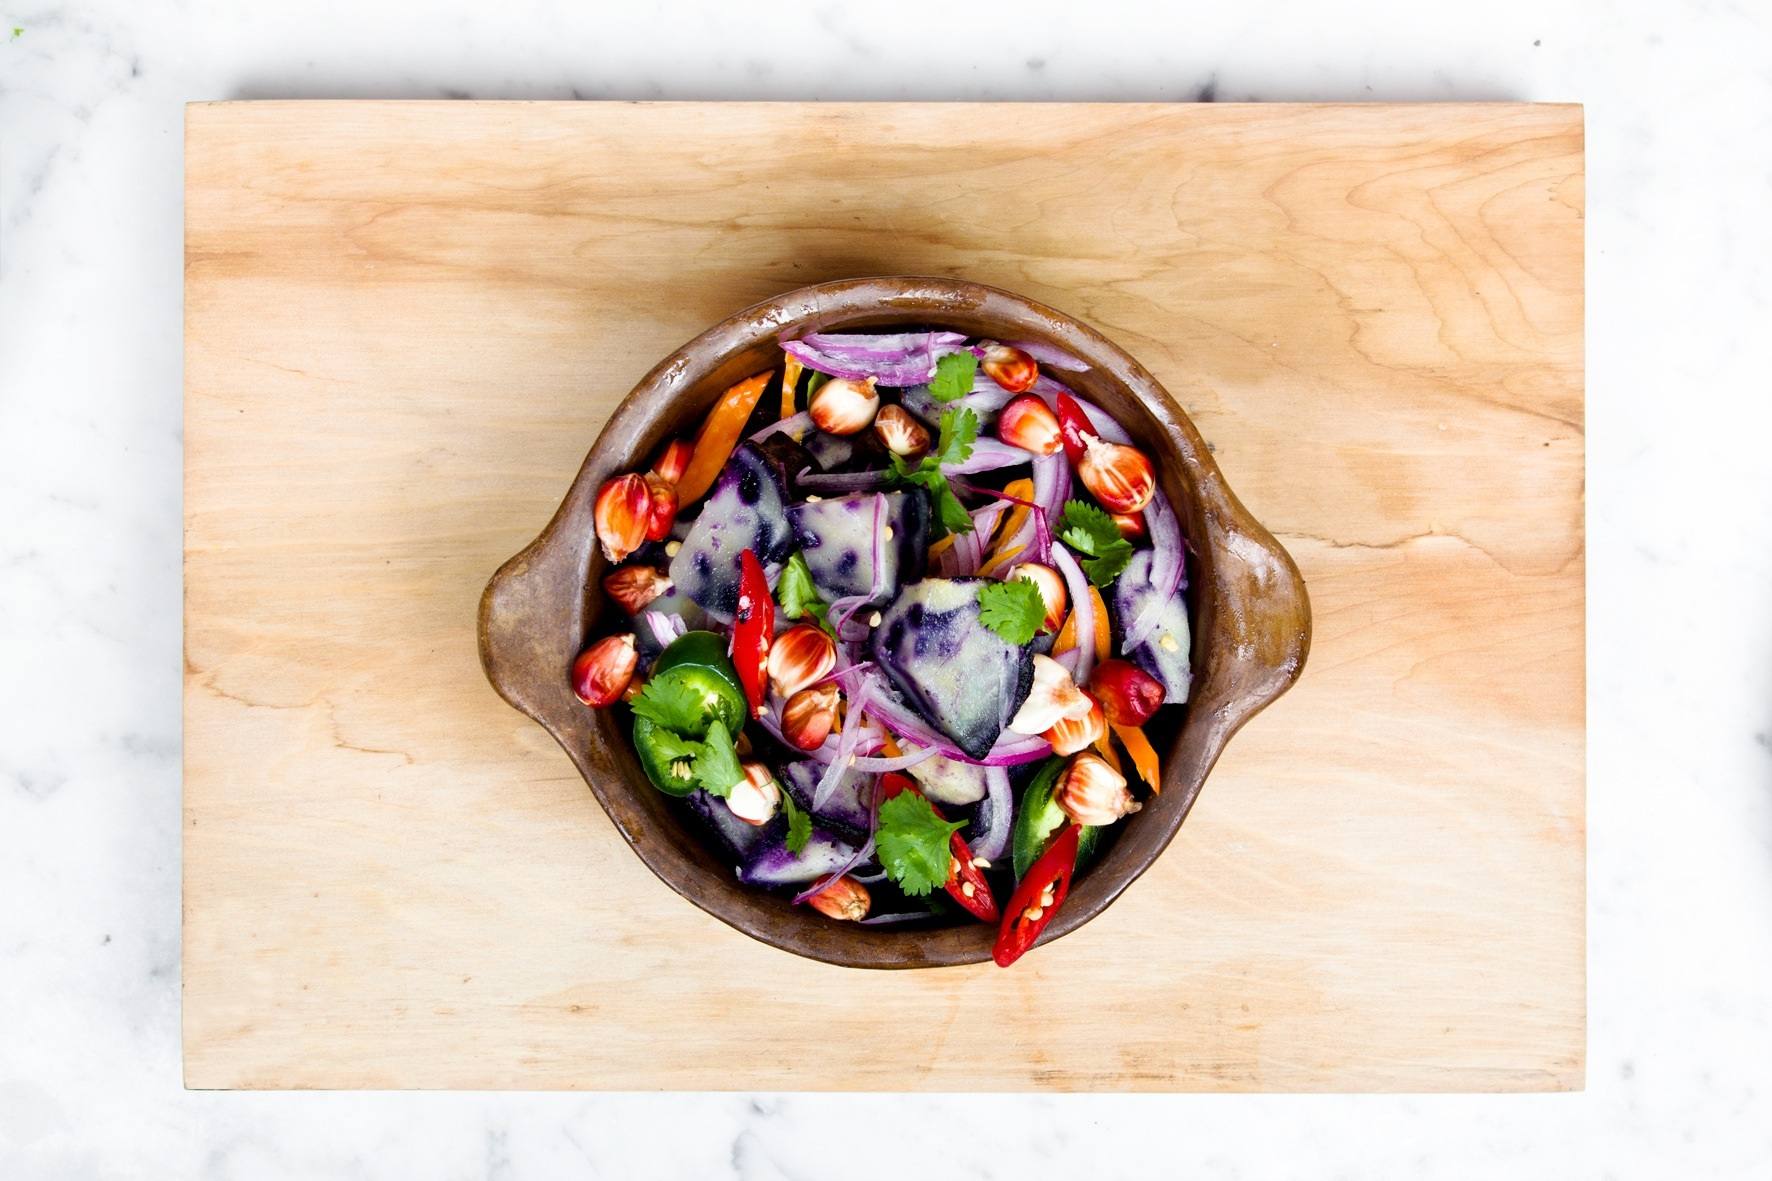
(405, 324)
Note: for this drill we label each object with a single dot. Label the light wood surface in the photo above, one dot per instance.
(405, 324)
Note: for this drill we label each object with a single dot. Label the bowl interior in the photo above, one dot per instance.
(1246, 603)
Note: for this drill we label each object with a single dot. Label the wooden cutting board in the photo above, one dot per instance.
(405, 323)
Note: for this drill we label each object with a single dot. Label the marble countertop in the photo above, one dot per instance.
(1679, 124)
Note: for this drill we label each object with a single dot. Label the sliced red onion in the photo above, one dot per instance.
(969, 548)
(903, 916)
(839, 481)
(993, 841)
(664, 628)
(1168, 569)
(861, 854)
(988, 455)
(887, 708)
(1082, 612)
(852, 728)
(794, 424)
(1052, 487)
(895, 763)
(902, 360)
(889, 346)
(1047, 354)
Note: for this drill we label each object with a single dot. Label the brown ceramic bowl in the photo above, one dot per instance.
(1250, 617)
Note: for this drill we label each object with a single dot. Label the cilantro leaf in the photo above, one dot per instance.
(799, 823)
(671, 704)
(953, 515)
(716, 767)
(953, 376)
(812, 383)
(959, 430)
(797, 595)
(913, 843)
(1092, 533)
(1013, 609)
(677, 753)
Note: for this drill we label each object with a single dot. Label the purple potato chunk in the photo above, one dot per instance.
(1165, 653)
(770, 864)
(738, 839)
(746, 510)
(958, 673)
(847, 808)
(837, 539)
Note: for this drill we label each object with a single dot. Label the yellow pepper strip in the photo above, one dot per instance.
(942, 546)
(1067, 635)
(997, 562)
(719, 435)
(1105, 747)
(889, 746)
(790, 381)
(1144, 758)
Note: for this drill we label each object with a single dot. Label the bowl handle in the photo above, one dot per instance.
(526, 643)
(1259, 601)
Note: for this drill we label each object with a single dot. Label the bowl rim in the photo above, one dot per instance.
(1251, 613)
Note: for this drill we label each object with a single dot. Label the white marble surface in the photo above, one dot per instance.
(1679, 123)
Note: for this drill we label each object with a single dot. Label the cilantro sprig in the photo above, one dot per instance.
(913, 843)
(959, 430)
(798, 597)
(1013, 609)
(799, 823)
(716, 766)
(671, 704)
(1092, 533)
(954, 375)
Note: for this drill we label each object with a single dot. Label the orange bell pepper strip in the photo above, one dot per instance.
(1144, 757)
(1104, 746)
(790, 382)
(719, 435)
(1104, 632)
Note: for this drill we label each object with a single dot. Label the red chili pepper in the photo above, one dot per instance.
(1028, 913)
(1073, 424)
(753, 630)
(980, 903)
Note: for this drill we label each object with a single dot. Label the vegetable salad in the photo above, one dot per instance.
(893, 626)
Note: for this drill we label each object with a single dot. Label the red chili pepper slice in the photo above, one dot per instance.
(753, 630)
(980, 903)
(1072, 425)
(1028, 914)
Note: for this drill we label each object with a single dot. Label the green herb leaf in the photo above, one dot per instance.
(678, 753)
(959, 430)
(1092, 533)
(797, 595)
(799, 823)
(953, 376)
(716, 767)
(913, 843)
(1013, 609)
(952, 514)
(812, 383)
(671, 704)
